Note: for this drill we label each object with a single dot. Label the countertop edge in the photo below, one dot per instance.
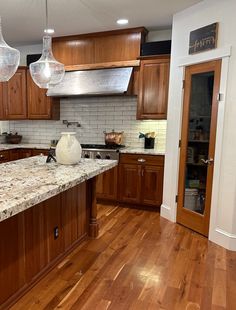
(22, 206)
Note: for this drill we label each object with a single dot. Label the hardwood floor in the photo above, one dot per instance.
(139, 261)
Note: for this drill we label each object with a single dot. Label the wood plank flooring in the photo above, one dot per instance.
(139, 261)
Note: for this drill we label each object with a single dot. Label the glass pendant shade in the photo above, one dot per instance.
(9, 59)
(47, 72)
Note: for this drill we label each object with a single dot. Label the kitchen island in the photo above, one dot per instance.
(46, 210)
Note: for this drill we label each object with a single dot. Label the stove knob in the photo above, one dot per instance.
(86, 156)
(108, 156)
(98, 156)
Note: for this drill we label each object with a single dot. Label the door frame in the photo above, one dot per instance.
(196, 221)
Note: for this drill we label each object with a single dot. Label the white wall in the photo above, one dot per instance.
(223, 210)
(159, 35)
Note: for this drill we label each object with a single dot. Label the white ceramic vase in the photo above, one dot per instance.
(68, 149)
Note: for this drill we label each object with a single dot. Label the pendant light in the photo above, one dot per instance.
(9, 59)
(47, 72)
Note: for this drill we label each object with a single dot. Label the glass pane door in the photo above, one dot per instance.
(199, 125)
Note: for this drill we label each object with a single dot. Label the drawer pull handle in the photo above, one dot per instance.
(141, 160)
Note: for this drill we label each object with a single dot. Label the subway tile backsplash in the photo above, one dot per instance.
(95, 115)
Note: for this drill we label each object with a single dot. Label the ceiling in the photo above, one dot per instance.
(23, 21)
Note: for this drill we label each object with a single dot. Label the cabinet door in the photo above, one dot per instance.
(107, 185)
(36, 152)
(15, 96)
(25, 153)
(39, 105)
(2, 107)
(153, 89)
(129, 183)
(4, 157)
(152, 185)
(15, 154)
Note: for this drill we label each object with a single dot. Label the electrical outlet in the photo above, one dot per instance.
(56, 232)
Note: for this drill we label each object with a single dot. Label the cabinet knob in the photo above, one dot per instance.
(2, 156)
(141, 160)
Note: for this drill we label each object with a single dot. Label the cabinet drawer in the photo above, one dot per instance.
(4, 156)
(157, 160)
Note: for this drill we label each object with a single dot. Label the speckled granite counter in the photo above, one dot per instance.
(142, 151)
(25, 183)
(5, 146)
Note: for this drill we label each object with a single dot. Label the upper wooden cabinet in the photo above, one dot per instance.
(14, 96)
(39, 105)
(74, 50)
(153, 88)
(109, 46)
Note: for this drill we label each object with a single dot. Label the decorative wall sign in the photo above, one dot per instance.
(203, 39)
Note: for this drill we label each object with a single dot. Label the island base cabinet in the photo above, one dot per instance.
(33, 241)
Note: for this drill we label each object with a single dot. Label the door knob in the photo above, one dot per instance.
(208, 161)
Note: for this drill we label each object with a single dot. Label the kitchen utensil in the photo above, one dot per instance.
(113, 138)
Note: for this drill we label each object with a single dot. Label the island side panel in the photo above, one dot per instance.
(28, 246)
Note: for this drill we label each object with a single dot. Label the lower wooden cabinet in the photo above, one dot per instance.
(107, 185)
(141, 179)
(130, 183)
(4, 156)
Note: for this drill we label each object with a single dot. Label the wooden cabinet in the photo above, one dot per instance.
(2, 108)
(36, 152)
(109, 46)
(39, 105)
(14, 154)
(107, 185)
(130, 183)
(14, 96)
(4, 156)
(141, 179)
(24, 153)
(74, 50)
(153, 88)
(29, 247)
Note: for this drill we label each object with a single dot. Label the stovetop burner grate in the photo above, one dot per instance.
(102, 146)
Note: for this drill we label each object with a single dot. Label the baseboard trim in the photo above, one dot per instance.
(166, 212)
(224, 239)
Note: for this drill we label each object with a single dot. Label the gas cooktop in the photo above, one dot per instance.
(101, 146)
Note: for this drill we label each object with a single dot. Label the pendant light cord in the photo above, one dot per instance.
(46, 2)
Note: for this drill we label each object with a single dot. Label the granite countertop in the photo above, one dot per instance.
(5, 146)
(141, 150)
(27, 182)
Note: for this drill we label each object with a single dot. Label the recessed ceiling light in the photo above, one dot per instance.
(49, 31)
(122, 21)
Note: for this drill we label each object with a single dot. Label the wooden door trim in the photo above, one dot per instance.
(199, 226)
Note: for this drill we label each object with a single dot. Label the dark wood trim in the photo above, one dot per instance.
(152, 57)
(143, 30)
(104, 65)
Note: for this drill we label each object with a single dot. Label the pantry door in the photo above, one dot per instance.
(197, 145)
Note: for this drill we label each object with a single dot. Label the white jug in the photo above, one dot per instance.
(68, 149)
